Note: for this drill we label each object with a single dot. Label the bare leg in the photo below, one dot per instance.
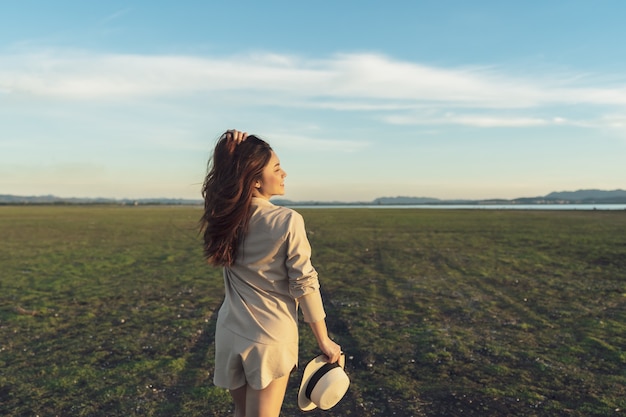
(239, 398)
(268, 401)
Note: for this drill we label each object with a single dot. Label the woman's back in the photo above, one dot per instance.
(272, 269)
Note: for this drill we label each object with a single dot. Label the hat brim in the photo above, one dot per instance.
(316, 363)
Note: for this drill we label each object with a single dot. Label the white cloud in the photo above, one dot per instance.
(471, 120)
(296, 141)
(376, 76)
(355, 82)
(614, 121)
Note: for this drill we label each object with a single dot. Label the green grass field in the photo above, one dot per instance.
(110, 311)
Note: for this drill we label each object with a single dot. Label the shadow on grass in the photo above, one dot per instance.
(348, 406)
(191, 389)
(193, 394)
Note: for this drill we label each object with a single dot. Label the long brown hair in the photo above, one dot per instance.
(227, 192)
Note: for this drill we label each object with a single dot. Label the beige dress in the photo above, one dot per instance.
(256, 338)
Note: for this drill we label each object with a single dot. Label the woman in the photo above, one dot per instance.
(268, 274)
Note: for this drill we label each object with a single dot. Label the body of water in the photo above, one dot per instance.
(586, 207)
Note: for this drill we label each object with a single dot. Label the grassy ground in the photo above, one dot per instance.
(109, 311)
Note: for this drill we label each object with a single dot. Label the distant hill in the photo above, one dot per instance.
(50, 199)
(590, 196)
(406, 200)
(558, 197)
(562, 197)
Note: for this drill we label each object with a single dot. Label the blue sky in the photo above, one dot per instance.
(360, 99)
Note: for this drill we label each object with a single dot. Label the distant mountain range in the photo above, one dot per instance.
(561, 197)
(50, 199)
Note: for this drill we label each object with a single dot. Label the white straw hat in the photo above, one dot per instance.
(323, 384)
